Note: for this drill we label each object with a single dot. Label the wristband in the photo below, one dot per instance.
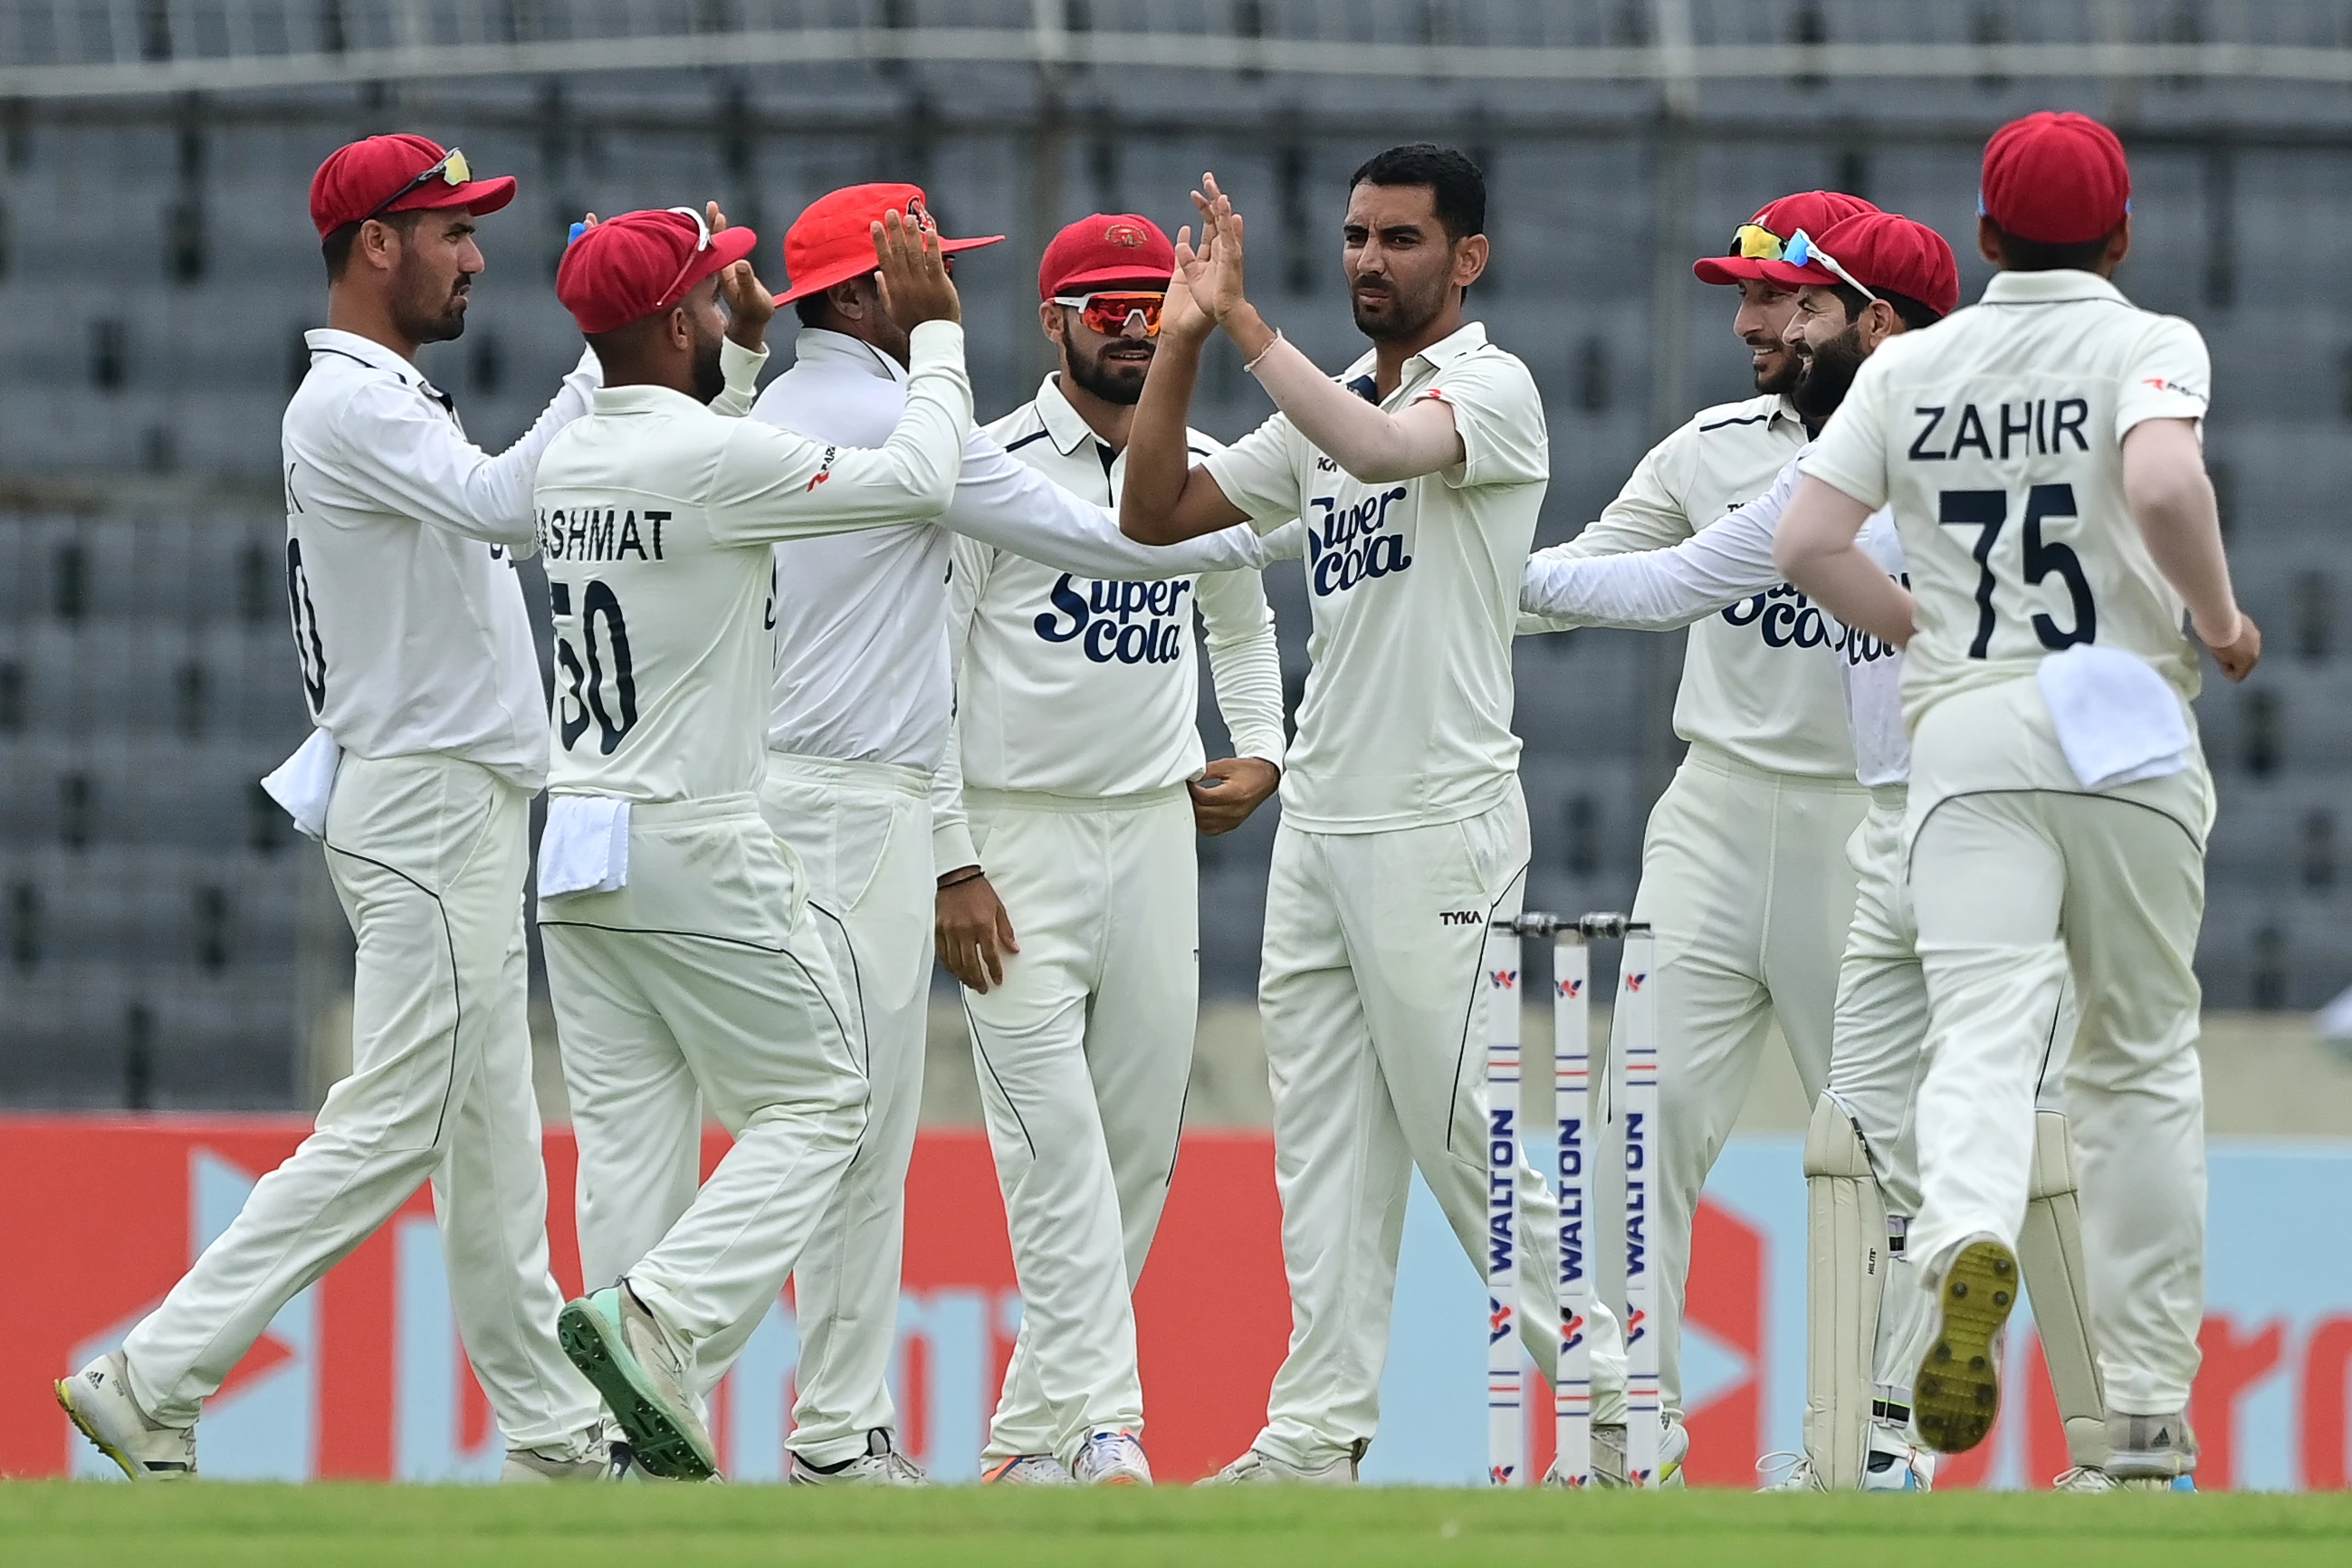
(974, 875)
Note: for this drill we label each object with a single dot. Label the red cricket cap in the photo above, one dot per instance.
(640, 264)
(356, 180)
(1881, 250)
(1106, 248)
(2056, 179)
(833, 239)
(1813, 211)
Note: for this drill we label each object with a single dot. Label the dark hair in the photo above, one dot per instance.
(336, 248)
(1456, 188)
(813, 308)
(2040, 256)
(1911, 312)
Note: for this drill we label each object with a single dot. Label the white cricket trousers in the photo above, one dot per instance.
(1084, 1053)
(862, 834)
(1375, 1042)
(701, 987)
(2018, 876)
(428, 853)
(1745, 880)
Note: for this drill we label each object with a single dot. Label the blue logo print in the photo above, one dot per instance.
(1125, 623)
(1351, 547)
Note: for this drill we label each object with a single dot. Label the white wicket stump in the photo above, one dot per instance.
(1634, 1048)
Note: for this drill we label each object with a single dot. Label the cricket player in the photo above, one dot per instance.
(1066, 813)
(1866, 1303)
(687, 973)
(419, 670)
(1744, 876)
(2042, 456)
(1418, 473)
(861, 711)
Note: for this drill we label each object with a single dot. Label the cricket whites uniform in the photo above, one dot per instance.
(1075, 736)
(860, 712)
(1996, 437)
(687, 973)
(1864, 1319)
(1402, 833)
(417, 661)
(1744, 875)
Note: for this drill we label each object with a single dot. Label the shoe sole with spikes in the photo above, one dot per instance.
(1956, 1395)
(659, 1443)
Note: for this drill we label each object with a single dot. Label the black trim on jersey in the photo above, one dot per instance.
(1744, 419)
(1025, 441)
(448, 936)
(355, 359)
(1913, 847)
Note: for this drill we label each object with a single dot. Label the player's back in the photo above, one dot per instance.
(664, 642)
(1997, 437)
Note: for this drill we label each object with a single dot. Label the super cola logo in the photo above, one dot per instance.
(1355, 543)
(1118, 623)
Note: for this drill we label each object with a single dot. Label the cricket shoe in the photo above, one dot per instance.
(2159, 1448)
(1028, 1470)
(1112, 1460)
(1258, 1468)
(880, 1465)
(2089, 1478)
(1956, 1395)
(1893, 1463)
(1789, 1472)
(592, 1460)
(634, 1360)
(98, 1399)
(1609, 1463)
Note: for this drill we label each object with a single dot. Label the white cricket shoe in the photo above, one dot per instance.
(1609, 1457)
(1258, 1468)
(1795, 1473)
(1028, 1470)
(98, 1399)
(880, 1465)
(2151, 1447)
(591, 1459)
(1112, 1460)
(2089, 1478)
(638, 1364)
(1893, 1463)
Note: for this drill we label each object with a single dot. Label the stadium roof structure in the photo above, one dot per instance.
(110, 49)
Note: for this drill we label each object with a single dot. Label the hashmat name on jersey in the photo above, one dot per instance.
(1118, 622)
(601, 533)
(1355, 543)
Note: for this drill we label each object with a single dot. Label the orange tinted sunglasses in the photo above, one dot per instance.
(1109, 313)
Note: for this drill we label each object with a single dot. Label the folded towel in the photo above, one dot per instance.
(2119, 720)
(585, 845)
(304, 782)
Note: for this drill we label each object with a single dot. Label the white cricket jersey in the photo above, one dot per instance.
(400, 535)
(1749, 687)
(1414, 584)
(1089, 687)
(1726, 562)
(861, 619)
(1997, 437)
(657, 519)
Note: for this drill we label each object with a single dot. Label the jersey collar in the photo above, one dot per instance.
(644, 399)
(2050, 287)
(839, 351)
(367, 350)
(1064, 426)
(1464, 340)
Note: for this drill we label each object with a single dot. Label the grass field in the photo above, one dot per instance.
(59, 1525)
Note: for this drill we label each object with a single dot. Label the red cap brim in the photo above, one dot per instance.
(1102, 276)
(726, 247)
(826, 278)
(1728, 269)
(477, 197)
(1782, 275)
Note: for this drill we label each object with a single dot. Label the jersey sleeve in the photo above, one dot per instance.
(1852, 455)
(1259, 474)
(2168, 376)
(1003, 501)
(1244, 661)
(1499, 413)
(772, 485)
(1656, 590)
(970, 563)
(741, 368)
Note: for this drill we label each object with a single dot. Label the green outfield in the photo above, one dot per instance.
(51, 1525)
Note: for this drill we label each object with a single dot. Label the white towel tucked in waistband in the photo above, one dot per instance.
(304, 782)
(2119, 720)
(585, 845)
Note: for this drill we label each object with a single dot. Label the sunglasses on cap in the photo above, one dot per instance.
(1110, 314)
(1803, 249)
(451, 170)
(1754, 242)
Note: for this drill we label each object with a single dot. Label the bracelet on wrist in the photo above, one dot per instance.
(972, 874)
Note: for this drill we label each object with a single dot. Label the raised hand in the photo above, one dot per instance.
(913, 275)
(749, 306)
(1217, 282)
(1180, 316)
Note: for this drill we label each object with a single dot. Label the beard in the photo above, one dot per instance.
(431, 310)
(1782, 376)
(1391, 312)
(1115, 378)
(1827, 373)
(709, 380)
